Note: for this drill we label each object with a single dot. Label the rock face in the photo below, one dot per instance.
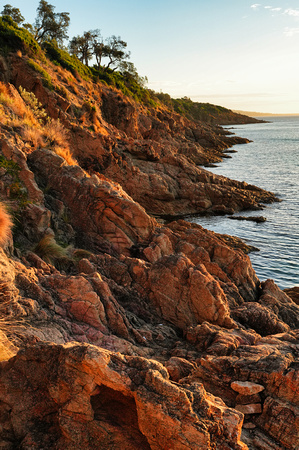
(154, 154)
(95, 206)
(118, 331)
(81, 396)
(246, 388)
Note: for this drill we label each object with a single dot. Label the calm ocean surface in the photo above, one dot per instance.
(271, 162)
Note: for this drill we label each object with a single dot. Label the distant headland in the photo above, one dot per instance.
(261, 114)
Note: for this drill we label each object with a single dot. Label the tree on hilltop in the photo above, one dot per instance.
(50, 25)
(83, 46)
(129, 72)
(115, 51)
(14, 13)
(91, 44)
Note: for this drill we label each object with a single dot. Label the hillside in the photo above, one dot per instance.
(120, 330)
(212, 114)
(261, 114)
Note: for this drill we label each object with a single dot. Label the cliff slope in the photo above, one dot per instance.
(118, 331)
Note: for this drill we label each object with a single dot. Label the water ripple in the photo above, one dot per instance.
(271, 162)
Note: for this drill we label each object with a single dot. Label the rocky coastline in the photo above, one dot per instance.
(120, 330)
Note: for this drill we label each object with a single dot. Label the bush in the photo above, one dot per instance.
(13, 38)
(35, 106)
(64, 59)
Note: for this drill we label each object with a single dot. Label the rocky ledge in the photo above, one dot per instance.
(118, 331)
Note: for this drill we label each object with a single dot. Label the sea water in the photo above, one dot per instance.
(270, 161)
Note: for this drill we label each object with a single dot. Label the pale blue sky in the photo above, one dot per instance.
(238, 53)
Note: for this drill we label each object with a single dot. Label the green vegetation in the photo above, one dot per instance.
(16, 189)
(49, 250)
(13, 38)
(193, 110)
(109, 55)
(10, 167)
(34, 105)
(14, 13)
(91, 44)
(49, 25)
(126, 80)
(46, 79)
(62, 58)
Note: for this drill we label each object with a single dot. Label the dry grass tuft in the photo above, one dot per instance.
(55, 132)
(5, 225)
(4, 89)
(49, 250)
(7, 349)
(65, 153)
(57, 136)
(8, 324)
(33, 136)
(15, 109)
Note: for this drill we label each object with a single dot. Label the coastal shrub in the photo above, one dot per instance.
(48, 131)
(64, 59)
(10, 167)
(128, 84)
(164, 98)
(13, 38)
(35, 106)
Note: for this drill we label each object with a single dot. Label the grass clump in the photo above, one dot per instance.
(7, 349)
(49, 250)
(13, 108)
(46, 79)
(49, 132)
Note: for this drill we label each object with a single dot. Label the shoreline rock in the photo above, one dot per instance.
(165, 316)
(256, 219)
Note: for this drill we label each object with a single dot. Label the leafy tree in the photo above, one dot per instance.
(129, 73)
(114, 50)
(50, 25)
(83, 46)
(91, 44)
(14, 13)
(99, 49)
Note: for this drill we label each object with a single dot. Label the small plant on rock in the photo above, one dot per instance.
(35, 106)
(49, 250)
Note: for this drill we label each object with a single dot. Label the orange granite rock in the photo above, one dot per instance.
(81, 396)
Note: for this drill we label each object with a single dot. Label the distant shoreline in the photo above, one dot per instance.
(258, 114)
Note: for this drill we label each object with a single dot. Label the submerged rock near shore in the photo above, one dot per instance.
(119, 330)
